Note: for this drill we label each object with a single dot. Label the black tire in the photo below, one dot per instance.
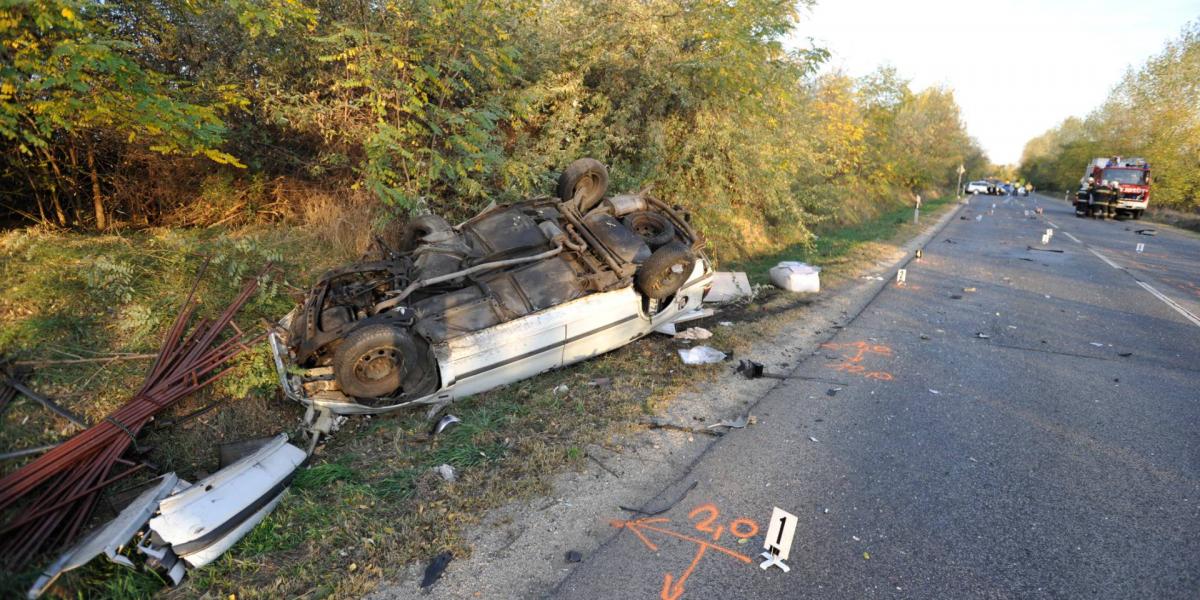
(665, 271)
(417, 228)
(380, 360)
(587, 179)
(1137, 214)
(656, 229)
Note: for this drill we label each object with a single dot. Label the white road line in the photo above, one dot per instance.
(1169, 302)
(1052, 224)
(1105, 259)
(1073, 238)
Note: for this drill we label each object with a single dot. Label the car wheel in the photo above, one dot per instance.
(416, 230)
(585, 179)
(379, 360)
(665, 271)
(651, 226)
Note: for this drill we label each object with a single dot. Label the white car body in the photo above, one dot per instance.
(518, 349)
(977, 187)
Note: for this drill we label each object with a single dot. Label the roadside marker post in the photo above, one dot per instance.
(1141, 247)
(1049, 233)
(901, 276)
(1045, 239)
(778, 543)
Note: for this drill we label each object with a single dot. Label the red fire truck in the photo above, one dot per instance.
(1113, 187)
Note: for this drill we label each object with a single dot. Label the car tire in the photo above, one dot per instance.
(665, 271)
(586, 178)
(380, 360)
(416, 230)
(653, 227)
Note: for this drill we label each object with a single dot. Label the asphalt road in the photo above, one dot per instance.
(1032, 436)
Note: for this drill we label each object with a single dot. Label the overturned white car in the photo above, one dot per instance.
(517, 290)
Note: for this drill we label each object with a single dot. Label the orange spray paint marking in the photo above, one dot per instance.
(673, 585)
(854, 353)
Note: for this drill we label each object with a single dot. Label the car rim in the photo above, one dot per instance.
(377, 364)
(586, 184)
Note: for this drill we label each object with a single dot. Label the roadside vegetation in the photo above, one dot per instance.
(124, 114)
(143, 138)
(1153, 112)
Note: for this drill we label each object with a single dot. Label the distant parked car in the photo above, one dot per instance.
(977, 187)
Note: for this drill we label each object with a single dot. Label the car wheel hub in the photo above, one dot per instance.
(377, 364)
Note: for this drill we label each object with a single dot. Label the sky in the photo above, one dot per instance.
(1017, 67)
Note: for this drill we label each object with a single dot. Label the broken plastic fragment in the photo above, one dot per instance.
(445, 423)
(109, 537)
(701, 355)
(446, 472)
(435, 569)
(737, 423)
(694, 333)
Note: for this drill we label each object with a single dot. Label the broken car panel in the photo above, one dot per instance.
(189, 525)
(517, 290)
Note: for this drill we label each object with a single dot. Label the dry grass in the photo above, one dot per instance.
(1181, 219)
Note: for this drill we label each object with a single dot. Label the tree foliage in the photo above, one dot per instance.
(449, 104)
(1154, 112)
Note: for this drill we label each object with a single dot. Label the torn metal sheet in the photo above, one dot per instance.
(109, 538)
(208, 517)
(728, 287)
(211, 552)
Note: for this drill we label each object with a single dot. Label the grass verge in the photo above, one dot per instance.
(370, 502)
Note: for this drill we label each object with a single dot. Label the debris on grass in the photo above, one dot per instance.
(694, 333)
(445, 423)
(436, 567)
(701, 355)
(446, 472)
(728, 287)
(603, 383)
(796, 277)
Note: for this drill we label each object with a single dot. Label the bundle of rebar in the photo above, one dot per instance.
(50, 499)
